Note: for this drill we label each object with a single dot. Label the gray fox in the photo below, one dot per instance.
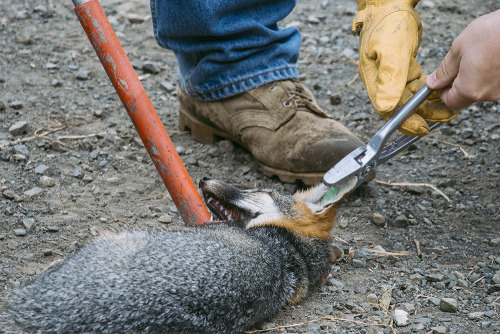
(266, 250)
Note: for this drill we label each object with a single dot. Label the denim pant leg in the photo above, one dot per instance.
(227, 47)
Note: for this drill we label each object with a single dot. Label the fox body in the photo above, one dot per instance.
(268, 249)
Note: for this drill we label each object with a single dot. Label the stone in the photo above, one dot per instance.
(41, 169)
(33, 191)
(16, 105)
(83, 74)
(439, 330)
(358, 263)
(19, 232)
(493, 288)
(400, 318)
(29, 223)
(401, 221)
(18, 128)
(150, 67)
(167, 85)
(372, 298)
(448, 305)
(47, 181)
(434, 277)
(78, 173)
(475, 315)
(337, 284)
(378, 219)
(165, 219)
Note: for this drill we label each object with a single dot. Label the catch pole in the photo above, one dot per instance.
(141, 112)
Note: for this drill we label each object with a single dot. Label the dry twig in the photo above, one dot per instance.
(36, 135)
(433, 187)
(467, 155)
(383, 253)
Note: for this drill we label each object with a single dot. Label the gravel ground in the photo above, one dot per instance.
(72, 166)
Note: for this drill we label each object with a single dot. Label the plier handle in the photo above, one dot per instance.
(362, 161)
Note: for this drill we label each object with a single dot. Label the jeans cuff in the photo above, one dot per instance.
(244, 85)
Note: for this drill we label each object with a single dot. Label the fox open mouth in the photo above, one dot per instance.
(220, 210)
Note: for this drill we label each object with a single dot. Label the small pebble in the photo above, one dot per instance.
(475, 315)
(41, 169)
(448, 305)
(400, 318)
(29, 223)
(165, 219)
(33, 191)
(18, 128)
(434, 277)
(439, 330)
(47, 181)
(19, 232)
(378, 219)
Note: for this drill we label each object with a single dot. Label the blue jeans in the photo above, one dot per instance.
(227, 47)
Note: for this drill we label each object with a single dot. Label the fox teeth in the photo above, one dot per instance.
(210, 199)
(225, 212)
(229, 217)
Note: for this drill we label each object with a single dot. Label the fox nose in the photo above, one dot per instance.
(203, 180)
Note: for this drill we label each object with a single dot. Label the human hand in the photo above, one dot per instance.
(389, 41)
(470, 72)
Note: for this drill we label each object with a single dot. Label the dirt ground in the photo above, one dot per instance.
(79, 168)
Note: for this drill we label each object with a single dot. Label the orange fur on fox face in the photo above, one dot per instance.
(309, 224)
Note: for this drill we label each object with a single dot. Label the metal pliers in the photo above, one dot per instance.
(362, 161)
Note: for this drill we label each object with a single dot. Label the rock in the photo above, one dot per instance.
(439, 330)
(47, 181)
(47, 252)
(496, 277)
(21, 149)
(400, 318)
(494, 242)
(335, 99)
(167, 85)
(337, 284)
(18, 128)
(53, 228)
(408, 307)
(150, 67)
(19, 232)
(29, 223)
(87, 178)
(475, 315)
(78, 173)
(33, 192)
(16, 104)
(493, 288)
(434, 277)
(83, 74)
(343, 222)
(358, 263)
(401, 221)
(41, 169)
(448, 305)
(113, 180)
(378, 219)
(165, 219)
(372, 298)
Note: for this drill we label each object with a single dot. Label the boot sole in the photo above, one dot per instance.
(208, 135)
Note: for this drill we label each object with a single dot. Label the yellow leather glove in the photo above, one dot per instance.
(389, 38)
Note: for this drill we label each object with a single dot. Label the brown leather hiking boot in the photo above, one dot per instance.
(280, 124)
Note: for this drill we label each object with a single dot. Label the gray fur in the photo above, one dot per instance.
(214, 279)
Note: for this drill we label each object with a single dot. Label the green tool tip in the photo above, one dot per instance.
(330, 194)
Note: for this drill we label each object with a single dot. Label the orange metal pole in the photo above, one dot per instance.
(141, 111)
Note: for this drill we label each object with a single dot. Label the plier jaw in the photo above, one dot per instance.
(362, 162)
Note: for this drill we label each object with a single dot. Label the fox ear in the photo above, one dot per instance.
(322, 197)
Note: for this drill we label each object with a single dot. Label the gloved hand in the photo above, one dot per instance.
(389, 38)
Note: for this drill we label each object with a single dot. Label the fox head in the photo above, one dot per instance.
(307, 213)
